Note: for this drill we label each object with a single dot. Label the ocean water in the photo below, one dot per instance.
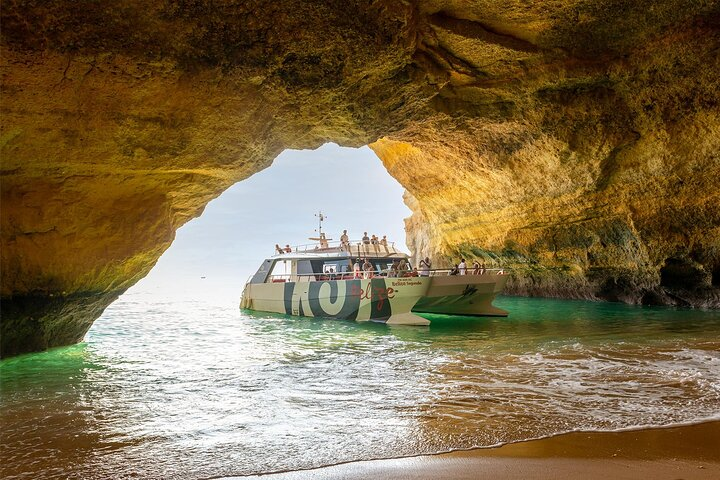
(186, 388)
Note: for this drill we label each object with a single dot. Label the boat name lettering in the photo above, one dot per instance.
(406, 283)
(378, 293)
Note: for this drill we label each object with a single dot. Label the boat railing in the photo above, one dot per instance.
(440, 272)
(325, 276)
(353, 247)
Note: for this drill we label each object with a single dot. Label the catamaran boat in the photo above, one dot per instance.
(322, 280)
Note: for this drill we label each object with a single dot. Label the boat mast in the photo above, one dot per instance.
(321, 217)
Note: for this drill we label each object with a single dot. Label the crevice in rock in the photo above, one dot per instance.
(480, 31)
(715, 279)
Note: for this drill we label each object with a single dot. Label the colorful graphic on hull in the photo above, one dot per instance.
(368, 299)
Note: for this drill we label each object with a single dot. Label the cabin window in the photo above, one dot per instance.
(330, 268)
(280, 271)
(305, 271)
(304, 267)
(262, 272)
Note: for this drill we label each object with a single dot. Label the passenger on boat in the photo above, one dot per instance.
(288, 249)
(414, 272)
(403, 268)
(323, 241)
(454, 270)
(476, 267)
(368, 268)
(344, 241)
(278, 249)
(356, 269)
(482, 269)
(394, 269)
(383, 242)
(366, 239)
(462, 267)
(425, 266)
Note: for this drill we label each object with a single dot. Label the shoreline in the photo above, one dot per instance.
(687, 451)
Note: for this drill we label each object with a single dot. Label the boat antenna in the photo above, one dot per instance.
(321, 217)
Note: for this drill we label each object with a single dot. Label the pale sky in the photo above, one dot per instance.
(278, 205)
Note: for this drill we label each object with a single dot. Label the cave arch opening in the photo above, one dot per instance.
(215, 253)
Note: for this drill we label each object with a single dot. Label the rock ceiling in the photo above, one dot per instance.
(574, 141)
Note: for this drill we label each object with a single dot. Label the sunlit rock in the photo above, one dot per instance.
(576, 142)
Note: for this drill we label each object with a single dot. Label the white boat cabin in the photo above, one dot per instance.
(329, 263)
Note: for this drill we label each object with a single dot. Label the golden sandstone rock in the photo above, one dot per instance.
(575, 142)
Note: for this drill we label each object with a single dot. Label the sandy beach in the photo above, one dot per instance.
(687, 452)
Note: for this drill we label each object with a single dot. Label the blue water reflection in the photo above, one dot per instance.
(182, 388)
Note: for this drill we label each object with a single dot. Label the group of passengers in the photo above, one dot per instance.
(399, 268)
(457, 269)
(462, 269)
(281, 250)
(374, 240)
(344, 242)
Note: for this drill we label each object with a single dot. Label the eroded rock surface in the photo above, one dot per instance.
(576, 142)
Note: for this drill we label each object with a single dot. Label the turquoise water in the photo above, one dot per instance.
(179, 388)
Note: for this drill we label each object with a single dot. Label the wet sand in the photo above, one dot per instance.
(687, 452)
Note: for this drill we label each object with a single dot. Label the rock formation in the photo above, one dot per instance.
(574, 141)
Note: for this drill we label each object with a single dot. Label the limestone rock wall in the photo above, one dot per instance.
(588, 167)
(574, 141)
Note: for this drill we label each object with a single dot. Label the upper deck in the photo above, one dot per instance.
(316, 260)
(335, 249)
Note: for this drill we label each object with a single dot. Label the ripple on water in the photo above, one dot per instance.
(166, 389)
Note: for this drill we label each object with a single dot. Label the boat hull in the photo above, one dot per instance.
(394, 301)
(468, 295)
(386, 300)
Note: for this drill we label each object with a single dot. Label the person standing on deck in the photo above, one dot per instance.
(393, 269)
(462, 267)
(403, 268)
(425, 266)
(288, 249)
(368, 268)
(375, 242)
(356, 269)
(476, 267)
(344, 241)
(365, 243)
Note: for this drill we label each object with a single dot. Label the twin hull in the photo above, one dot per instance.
(387, 300)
